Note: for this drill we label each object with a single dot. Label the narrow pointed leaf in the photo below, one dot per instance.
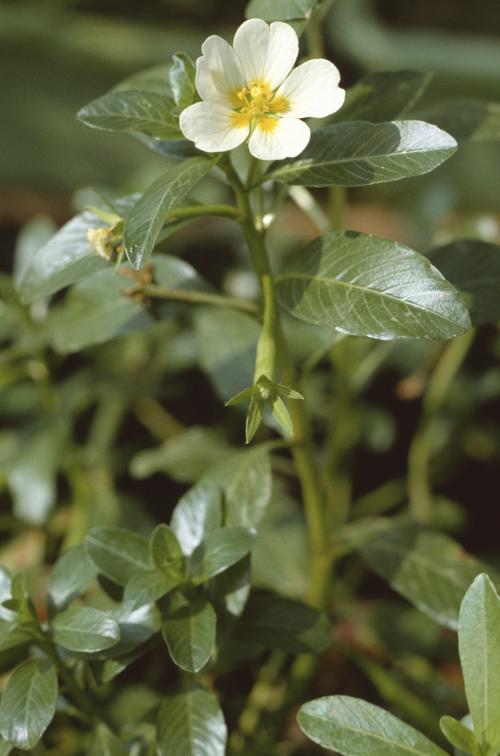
(191, 723)
(28, 703)
(143, 223)
(221, 549)
(142, 112)
(189, 633)
(361, 153)
(117, 553)
(253, 418)
(354, 727)
(479, 646)
(459, 735)
(85, 630)
(282, 415)
(366, 286)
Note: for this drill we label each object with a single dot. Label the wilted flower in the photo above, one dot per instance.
(250, 90)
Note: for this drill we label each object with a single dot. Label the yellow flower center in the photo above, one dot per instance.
(258, 103)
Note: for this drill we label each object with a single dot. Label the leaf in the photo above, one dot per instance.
(143, 223)
(151, 79)
(182, 80)
(361, 153)
(104, 743)
(384, 96)
(95, 311)
(137, 625)
(166, 552)
(474, 268)
(356, 728)
(70, 576)
(5, 748)
(147, 587)
(85, 630)
(246, 480)
(231, 588)
(173, 273)
(366, 286)
(145, 112)
(65, 259)
(429, 569)
(28, 703)
(280, 10)
(220, 549)
(459, 735)
(192, 724)
(479, 647)
(226, 344)
(280, 623)
(198, 513)
(465, 119)
(118, 554)
(189, 633)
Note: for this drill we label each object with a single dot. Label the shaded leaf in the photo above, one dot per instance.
(118, 554)
(182, 80)
(166, 552)
(354, 727)
(198, 513)
(359, 153)
(384, 96)
(465, 119)
(191, 723)
(28, 703)
(366, 286)
(189, 633)
(147, 587)
(459, 735)
(70, 576)
(146, 112)
(85, 630)
(219, 550)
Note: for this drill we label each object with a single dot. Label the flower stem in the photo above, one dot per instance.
(199, 211)
(199, 297)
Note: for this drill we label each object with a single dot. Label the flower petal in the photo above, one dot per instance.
(267, 53)
(213, 127)
(279, 138)
(312, 89)
(218, 71)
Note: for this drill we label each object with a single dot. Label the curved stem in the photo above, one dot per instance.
(200, 211)
(199, 297)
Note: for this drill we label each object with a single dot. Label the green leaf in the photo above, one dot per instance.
(143, 223)
(360, 154)
(118, 554)
(253, 418)
(137, 625)
(189, 633)
(143, 112)
(384, 96)
(70, 576)
(354, 727)
(459, 735)
(85, 630)
(65, 259)
(429, 569)
(28, 703)
(280, 623)
(246, 480)
(96, 310)
(147, 587)
(14, 644)
(479, 646)
(280, 10)
(231, 588)
(104, 743)
(182, 80)
(151, 79)
(465, 119)
(5, 748)
(173, 273)
(198, 513)
(220, 549)
(192, 724)
(166, 552)
(474, 268)
(366, 286)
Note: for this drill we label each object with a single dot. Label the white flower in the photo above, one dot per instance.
(248, 90)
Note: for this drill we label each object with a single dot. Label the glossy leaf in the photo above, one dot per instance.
(465, 119)
(65, 259)
(479, 646)
(383, 96)
(220, 549)
(279, 623)
(198, 513)
(70, 576)
(354, 727)
(28, 703)
(145, 112)
(189, 633)
(361, 153)
(429, 569)
(474, 268)
(166, 552)
(182, 80)
(147, 587)
(143, 223)
(96, 310)
(118, 554)
(459, 735)
(85, 630)
(191, 723)
(366, 286)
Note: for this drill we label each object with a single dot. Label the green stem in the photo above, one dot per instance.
(421, 450)
(199, 211)
(199, 297)
(337, 198)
